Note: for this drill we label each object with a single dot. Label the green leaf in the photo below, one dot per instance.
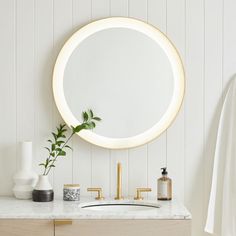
(53, 147)
(53, 154)
(85, 116)
(47, 149)
(89, 125)
(97, 118)
(55, 136)
(60, 142)
(62, 126)
(41, 164)
(47, 162)
(49, 140)
(62, 153)
(52, 166)
(67, 146)
(91, 113)
(78, 128)
(73, 129)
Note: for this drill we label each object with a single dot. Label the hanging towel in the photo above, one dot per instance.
(221, 218)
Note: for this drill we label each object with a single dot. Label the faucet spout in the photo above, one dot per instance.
(119, 182)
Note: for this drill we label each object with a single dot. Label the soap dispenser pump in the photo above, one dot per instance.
(164, 186)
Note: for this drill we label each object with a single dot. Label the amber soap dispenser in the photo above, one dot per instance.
(164, 186)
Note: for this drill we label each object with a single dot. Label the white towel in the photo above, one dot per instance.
(221, 218)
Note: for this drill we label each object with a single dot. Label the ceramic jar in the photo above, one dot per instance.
(71, 192)
(43, 191)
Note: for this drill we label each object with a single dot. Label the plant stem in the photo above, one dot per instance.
(46, 172)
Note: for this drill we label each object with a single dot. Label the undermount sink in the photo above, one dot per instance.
(120, 206)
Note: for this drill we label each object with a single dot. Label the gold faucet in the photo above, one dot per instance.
(99, 193)
(139, 191)
(119, 183)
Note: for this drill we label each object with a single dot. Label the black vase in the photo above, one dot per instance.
(43, 191)
(42, 195)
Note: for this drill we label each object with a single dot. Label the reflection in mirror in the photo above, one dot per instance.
(124, 76)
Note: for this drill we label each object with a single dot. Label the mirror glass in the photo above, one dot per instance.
(128, 73)
(124, 76)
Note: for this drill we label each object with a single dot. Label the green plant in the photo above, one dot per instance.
(59, 144)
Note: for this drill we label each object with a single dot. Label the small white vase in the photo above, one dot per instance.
(25, 178)
(43, 190)
(43, 183)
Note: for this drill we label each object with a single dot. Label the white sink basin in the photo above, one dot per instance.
(120, 206)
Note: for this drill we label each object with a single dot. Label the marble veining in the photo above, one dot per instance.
(11, 208)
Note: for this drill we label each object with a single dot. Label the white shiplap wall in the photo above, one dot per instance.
(32, 33)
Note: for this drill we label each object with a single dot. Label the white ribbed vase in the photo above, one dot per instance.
(25, 178)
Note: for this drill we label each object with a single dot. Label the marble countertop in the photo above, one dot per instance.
(11, 208)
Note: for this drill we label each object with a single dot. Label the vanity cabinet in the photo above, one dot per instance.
(15, 227)
(60, 218)
(124, 228)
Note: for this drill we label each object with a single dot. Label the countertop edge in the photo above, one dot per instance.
(11, 208)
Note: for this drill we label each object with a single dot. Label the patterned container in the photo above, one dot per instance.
(71, 192)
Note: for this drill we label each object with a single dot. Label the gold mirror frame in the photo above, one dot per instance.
(161, 40)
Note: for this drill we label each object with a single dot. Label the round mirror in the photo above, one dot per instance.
(128, 73)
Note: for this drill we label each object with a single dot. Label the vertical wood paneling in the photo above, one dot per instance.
(82, 168)
(194, 117)
(81, 13)
(100, 9)
(137, 169)
(43, 73)
(101, 157)
(157, 148)
(62, 26)
(175, 146)
(138, 156)
(157, 14)
(33, 33)
(138, 9)
(101, 169)
(213, 85)
(8, 95)
(229, 39)
(119, 8)
(25, 69)
(81, 149)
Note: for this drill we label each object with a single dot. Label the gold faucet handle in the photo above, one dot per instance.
(139, 191)
(99, 193)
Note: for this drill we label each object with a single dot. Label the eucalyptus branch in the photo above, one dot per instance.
(60, 143)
